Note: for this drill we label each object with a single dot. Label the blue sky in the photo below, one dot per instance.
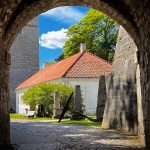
(52, 27)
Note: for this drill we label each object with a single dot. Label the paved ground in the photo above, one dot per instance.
(49, 136)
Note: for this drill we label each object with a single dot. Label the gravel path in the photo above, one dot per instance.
(27, 135)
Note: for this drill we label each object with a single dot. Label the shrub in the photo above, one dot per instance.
(42, 94)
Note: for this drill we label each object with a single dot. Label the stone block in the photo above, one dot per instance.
(57, 109)
(77, 104)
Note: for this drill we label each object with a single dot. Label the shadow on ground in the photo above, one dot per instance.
(52, 136)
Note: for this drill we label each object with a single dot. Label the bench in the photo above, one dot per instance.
(30, 114)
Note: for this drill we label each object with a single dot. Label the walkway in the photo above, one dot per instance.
(50, 136)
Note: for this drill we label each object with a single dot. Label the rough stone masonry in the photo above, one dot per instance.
(101, 98)
(133, 15)
(57, 108)
(123, 106)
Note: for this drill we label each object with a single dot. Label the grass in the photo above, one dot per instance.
(82, 122)
(71, 122)
(19, 116)
(93, 117)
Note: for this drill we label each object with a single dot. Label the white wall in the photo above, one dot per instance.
(89, 88)
(20, 106)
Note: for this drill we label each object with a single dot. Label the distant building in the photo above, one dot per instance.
(24, 58)
(81, 69)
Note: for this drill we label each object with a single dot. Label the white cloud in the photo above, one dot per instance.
(53, 39)
(67, 14)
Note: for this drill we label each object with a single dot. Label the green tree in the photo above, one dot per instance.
(44, 93)
(97, 30)
(30, 97)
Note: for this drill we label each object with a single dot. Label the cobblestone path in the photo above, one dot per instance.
(50, 136)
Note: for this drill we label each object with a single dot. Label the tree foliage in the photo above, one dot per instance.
(44, 94)
(97, 30)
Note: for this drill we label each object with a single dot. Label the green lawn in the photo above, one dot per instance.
(19, 116)
(74, 122)
(82, 122)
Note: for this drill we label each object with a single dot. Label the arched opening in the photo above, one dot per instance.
(19, 19)
(26, 12)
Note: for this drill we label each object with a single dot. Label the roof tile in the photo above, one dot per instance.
(89, 66)
(80, 65)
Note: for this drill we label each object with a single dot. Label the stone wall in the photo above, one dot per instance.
(24, 58)
(121, 106)
(133, 15)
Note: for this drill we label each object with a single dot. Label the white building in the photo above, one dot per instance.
(81, 69)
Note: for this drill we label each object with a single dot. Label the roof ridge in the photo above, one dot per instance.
(74, 63)
(99, 57)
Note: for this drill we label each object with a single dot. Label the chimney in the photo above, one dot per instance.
(82, 47)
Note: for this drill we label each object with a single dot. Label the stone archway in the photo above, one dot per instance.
(133, 15)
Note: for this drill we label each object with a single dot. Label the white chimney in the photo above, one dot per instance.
(82, 47)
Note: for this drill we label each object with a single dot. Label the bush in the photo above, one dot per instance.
(43, 94)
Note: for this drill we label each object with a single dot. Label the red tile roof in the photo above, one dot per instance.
(89, 66)
(80, 65)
